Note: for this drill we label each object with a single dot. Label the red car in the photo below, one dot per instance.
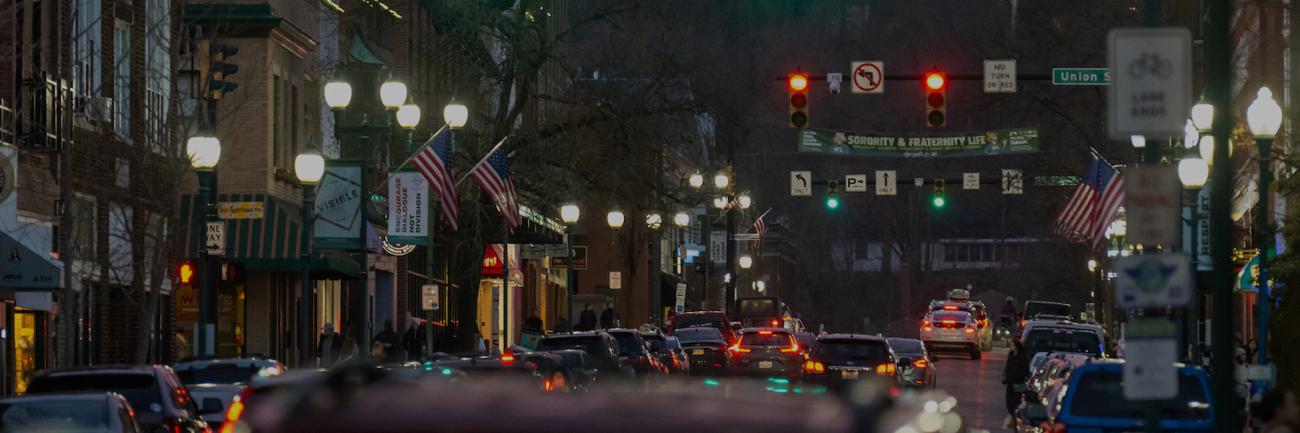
(712, 319)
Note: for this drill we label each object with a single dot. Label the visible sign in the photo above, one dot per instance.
(977, 143)
(1149, 372)
(338, 208)
(216, 243)
(562, 261)
(855, 183)
(1153, 204)
(1152, 92)
(800, 183)
(241, 210)
(408, 208)
(970, 181)
(1013, 181)
(615, 280)
(1056, 180)
(718, 247)
(680, 305)
(1153, 280)
(1081, 76)
(869, 77)
(25, 269)
(886, 182)
(429, 297)
(999, 76)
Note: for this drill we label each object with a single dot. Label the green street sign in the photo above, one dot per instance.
(1056, 180)
(1081, 76)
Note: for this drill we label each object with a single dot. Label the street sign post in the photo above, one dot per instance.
(429, 297)
(999, 76)
(886, 182)
(868, 76)
(970, 181)
(1153, 204)
(1013, 181)
(216, 243)
(1153, 280)
(615, 280)
(681, 298)
(1080, 76)
(801, 183)
(855, 183)
(1152, 92)
(1150, 349)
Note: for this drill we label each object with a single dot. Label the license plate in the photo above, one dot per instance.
(849, 374)
(764, 364)
(697, 352)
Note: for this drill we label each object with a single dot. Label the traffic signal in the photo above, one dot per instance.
(185, 272)
(222, 69)
(832, 194)
(936, 100)
(798, 84)
(938, 199)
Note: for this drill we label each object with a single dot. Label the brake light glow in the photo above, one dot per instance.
(737, 349)
(1058, 427)
(886, 369)
(232, 415)
(983, 323)
(507, 357)
(950, 322)
(928, 329)
(764, 332)
(814, 367)
(970, 330)
(950, 307)
(776, 323)
(548, 386)
(794, 347)
(920, 363)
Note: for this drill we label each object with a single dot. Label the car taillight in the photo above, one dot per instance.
(920, 363)
(794, 347)
(814, 367)
(764, 332)
(928, 329)
(1058, 427)
(232, 415)
(970, 329)
(886, 369)
(950, 308)
(507, 357)
(949, 322)
(776, 323)
(737, 349)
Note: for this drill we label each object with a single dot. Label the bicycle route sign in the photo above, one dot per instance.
(1151, 91)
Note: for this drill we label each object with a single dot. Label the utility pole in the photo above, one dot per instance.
(1218, 75)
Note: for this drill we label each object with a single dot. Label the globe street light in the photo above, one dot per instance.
(204, 151)
(1138, 141)
(696, 180)
(681, 220)
(455, 114)
(744, 201)
(392, 94)
(309, 166)
(1190, 135)
(746, 262)
(408, 116)
(720, 202)
(1092, 265)
(1207, 149)
(1193, 172)
(569, 213)
(1202, 116)
(1264, 117)
(615, 219)
(654, 221)
(721, 181)
(338, 94)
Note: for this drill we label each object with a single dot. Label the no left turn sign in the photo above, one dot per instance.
(869, 77)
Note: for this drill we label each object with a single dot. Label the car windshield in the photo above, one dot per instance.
(699, 335)
(585, 343)
(766, 339)
(693, 321)
(1101, 394)
(1062, 340)
(1036, 308)
(141, 390)
(224, 373)
(657, 342)
(54, 416)
(907, 346)
(628, 344)
(851, 350)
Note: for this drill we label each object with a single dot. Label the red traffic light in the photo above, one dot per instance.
(186, 273)
(935, 80)
(798, 82)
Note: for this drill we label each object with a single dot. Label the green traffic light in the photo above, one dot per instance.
(833, 202)
(939, 201)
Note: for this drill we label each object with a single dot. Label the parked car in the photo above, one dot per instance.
(600, 345)
(224, 394)
(915, 367)
(634, 349)
(581, 367)
(545, 369)
(226, 370)
(713, 319)
(1091, 398)
(706, 349)
(157, 395)
(105, 412)
(839, 360)
(1033, 309)
(766, 352)
(672, 360)
(1055, 335)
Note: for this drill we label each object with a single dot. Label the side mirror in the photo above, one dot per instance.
(211, 405)
(1036, 414)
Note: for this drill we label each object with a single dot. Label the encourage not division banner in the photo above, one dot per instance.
(979, 143)
(408, 209)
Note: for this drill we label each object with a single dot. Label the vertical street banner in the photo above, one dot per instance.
(408, 208)
(338, 207)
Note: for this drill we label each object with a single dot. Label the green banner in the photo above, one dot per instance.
(995, 142)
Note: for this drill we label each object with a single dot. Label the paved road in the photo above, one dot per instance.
(978, 388)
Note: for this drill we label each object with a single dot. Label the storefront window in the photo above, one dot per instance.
(25, 348)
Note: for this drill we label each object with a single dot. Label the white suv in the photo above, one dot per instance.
(951, 331)
(1055, 335)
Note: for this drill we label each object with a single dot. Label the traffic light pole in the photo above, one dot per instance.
(1218, 89)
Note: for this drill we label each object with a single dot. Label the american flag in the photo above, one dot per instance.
(1094, 204)
(760, 228)
(493, 175)
(434, 162)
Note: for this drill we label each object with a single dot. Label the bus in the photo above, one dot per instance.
(765, 311)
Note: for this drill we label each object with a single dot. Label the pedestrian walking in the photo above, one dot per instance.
(607, 317)
(389, 342)
(328, 345)
(1014, 373)
(534, 322)
(587, 320)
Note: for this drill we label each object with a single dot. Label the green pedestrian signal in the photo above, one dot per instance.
(938, 199)
(832, 202)
(832, 194)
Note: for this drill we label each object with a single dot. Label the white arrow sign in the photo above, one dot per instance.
(800, 183)
(886, 182)
(855, 183)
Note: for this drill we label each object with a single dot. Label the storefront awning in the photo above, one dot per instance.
(24, 269)
(263, 232)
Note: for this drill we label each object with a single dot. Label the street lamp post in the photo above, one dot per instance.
(615, 220)
(654, 221)
(569, 213)
(309, 167)
(455, 115)
(1264, 117)
(1193, 172)
(1218, 67)
(204, 150)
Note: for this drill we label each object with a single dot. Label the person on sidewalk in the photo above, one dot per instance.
(587, 320)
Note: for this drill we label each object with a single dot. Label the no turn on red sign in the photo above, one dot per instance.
(869, 76)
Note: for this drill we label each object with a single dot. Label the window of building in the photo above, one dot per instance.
(84, 234)
(121, 259)
(277, 122)
(122, 78)
(87, 64)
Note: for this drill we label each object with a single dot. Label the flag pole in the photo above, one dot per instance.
(480, 162)
(426, 144)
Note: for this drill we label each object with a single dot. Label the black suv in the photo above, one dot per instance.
(633, 348)
(838, 360)
(160, 400)
(601, 346)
